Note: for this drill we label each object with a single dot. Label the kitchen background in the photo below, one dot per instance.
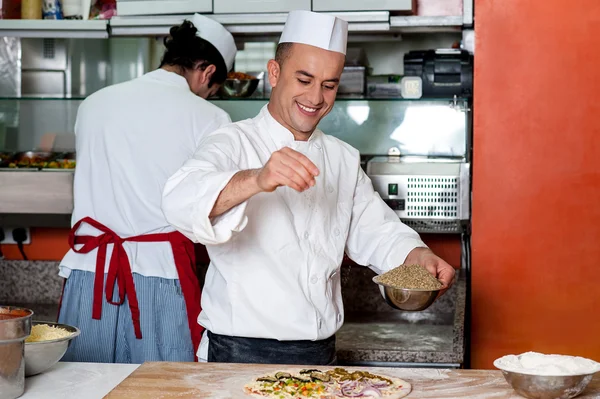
(530, 284)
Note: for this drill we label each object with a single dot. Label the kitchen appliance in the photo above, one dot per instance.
(445, 72)
(429, 195)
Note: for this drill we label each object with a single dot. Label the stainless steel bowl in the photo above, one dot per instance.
(40, 356)
(407, 299)
(15, 326)
(547, 387)
(238, 87)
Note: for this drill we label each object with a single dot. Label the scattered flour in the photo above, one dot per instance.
(549, 365)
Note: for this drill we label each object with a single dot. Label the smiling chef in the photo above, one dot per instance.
(277, 202)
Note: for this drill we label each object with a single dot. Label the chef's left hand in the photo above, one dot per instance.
(434, 265)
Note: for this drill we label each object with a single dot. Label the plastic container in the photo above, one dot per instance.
(31, 9)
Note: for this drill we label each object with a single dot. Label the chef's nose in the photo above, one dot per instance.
(315, 95)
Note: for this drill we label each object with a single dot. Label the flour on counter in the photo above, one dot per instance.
(550, 365)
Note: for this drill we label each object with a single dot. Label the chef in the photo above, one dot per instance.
(131, 286)
(277, 202)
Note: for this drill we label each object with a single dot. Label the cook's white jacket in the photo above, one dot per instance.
(275, 259)
(131, 137)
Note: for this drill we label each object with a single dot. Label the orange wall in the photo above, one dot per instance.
(46, 244)
(536, 184)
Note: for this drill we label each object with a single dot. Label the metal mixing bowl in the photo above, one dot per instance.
(238, 87)
(40, 356)
(407, 299)
(546, 387)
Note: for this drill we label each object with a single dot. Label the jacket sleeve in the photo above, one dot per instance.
(377, 238)
(190, 194)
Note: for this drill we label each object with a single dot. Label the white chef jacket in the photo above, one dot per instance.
(130, 138)
(275, 258)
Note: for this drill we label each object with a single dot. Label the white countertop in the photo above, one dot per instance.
(77, 380)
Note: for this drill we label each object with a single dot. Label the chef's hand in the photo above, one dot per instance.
(434, 265)
(287, 167)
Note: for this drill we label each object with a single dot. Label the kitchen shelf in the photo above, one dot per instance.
(34, 192)
(266, 26)
(424, 24)
(42, 98)
(58, 29)
(269, 23)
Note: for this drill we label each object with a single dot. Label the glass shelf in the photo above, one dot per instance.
(424, 127)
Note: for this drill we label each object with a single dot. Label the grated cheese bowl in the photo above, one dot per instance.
(40, 356)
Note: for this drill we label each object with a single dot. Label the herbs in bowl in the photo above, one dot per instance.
(409, 287)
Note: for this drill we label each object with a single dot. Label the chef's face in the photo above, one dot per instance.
(200, 80)
(304, 87)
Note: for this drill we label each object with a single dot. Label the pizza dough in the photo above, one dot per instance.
(331, 384)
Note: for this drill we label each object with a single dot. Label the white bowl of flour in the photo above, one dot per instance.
(547, 365)
(538, 376)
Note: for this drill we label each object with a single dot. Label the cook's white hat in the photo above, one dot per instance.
(319, 30)
(216, 34)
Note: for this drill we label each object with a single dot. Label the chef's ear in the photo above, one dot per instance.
(207, 74)
(274, 71)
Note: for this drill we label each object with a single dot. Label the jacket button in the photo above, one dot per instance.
(314, 279)
(306, 235)
(330, 189)
(336, 232)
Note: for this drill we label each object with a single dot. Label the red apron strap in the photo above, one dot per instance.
(185, 261)
(119, 272)
(90, 243)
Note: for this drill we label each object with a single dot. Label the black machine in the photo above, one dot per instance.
(445, 73)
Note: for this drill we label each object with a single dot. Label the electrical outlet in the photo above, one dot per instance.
(8, 236)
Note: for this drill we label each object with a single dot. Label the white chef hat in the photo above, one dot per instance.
(216, 34)
(315, 29)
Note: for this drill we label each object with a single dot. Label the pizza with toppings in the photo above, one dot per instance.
(331, 384)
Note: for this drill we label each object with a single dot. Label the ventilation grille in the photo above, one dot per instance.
(49, 48)
(432, 197)
(434, 226)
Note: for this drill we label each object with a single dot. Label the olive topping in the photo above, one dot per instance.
(308, 371)
(317, 375)
(281, 375)
(267, 379)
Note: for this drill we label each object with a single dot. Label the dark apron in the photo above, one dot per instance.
(226, 349)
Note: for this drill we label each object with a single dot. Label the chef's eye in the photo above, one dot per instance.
(304, 82)
(329, 87)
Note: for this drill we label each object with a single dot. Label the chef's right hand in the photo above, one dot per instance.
(287, 167)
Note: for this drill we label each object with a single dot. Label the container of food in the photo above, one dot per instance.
(15, 326)
(409, 287)
(239, 85)
(62, 162)
(5, 158)
(538, 376)
(31, 9)
(31, 159)
(44, 353)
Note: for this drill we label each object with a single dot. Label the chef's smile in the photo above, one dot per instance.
(308, 111)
